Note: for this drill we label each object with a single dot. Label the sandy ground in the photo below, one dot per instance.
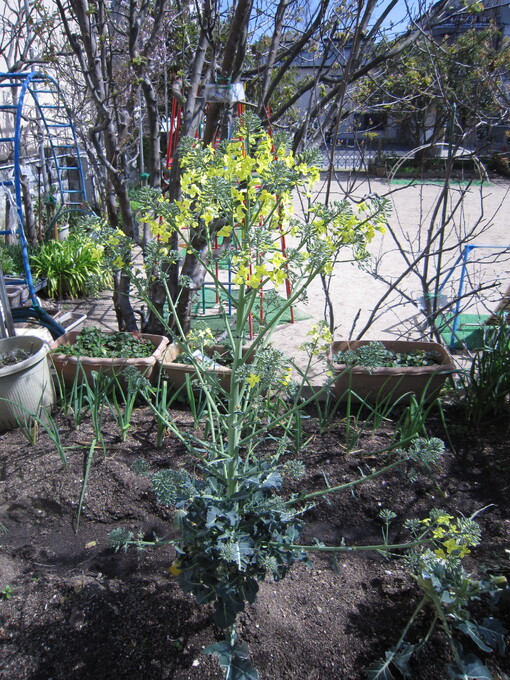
(483, 214)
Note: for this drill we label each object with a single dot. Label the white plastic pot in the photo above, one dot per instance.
(26, 388)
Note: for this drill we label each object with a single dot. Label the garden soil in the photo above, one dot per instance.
(78, 610)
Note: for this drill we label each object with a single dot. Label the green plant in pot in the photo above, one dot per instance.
(235, 524)
(92, 349)
(368, 370)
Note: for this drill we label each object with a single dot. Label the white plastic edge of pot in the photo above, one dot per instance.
(27, 343)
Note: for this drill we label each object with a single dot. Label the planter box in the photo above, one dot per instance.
(71, 321)
(176, 372)
(17, 281)
(398, 381)
(67, 366)
(14, 295)
(26, 387)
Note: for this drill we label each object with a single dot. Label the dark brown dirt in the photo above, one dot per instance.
(80, 611)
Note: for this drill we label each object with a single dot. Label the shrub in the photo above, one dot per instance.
(487, 383)
(72, 268)
(10, 260)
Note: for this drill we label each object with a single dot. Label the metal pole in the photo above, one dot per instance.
(465, 257)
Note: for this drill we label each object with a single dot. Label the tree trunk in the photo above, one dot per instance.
(126, 319)
(194, 271)
(232, 62)
(91, 47)
(154, 157)
(111, 205)
(170, 274)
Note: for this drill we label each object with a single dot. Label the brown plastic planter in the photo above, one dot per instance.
(395, 382)
(176, 373)
(67, 366)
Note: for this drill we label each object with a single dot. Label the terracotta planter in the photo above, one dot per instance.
(25, 387)
(67, 366)
(176, 372)
(396, 382)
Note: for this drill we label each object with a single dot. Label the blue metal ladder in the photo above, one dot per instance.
(60, 135)
(43, 94)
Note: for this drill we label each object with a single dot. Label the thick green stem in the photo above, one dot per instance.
(233, 416)
(440, 613)
(409, 623)
(386, 547)
(346, 485)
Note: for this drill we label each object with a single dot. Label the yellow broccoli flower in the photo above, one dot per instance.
(451, 545)
(278, 276)
(286, 376)
(242, 276)
(175, 569)
(225, 231)
(277, 259)
(444, 519)
(320, 338)
(253, 379)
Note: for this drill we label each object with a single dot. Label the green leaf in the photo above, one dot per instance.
(401, 658)
(249, 589)
(232, 516)
(446, 598)
(194, 581)
(228, 605)
(380, 670)
(272, 481)
(488, 636)
(222, 649)
(241, 669)
(471, 668)
(234, 659)
(214, 512)
(242, 551)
